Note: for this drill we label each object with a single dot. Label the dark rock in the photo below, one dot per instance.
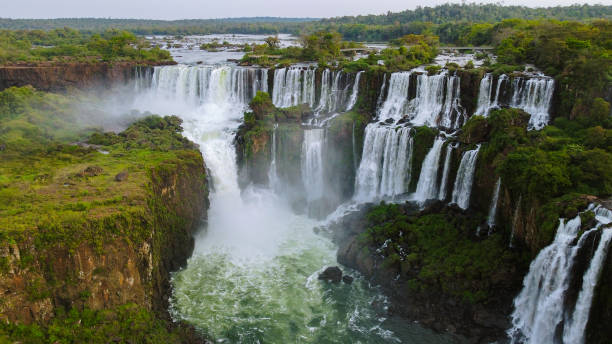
(347, 279)
(121, 176)
(2, 147)
(331, 274)
(390, 121)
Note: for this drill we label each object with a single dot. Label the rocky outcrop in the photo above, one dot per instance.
(41, 274)
(51, 76)
(414, 295)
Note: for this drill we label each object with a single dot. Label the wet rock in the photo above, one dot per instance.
(389, 121)
(121, 176)
(347, 279)
(331, 274)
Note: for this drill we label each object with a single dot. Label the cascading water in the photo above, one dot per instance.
(396, 104)
(465, 177)
(489, 96)
(312, 164)
(385, 165)
(541, 309)
(293, 86)
(427, 187)
(354, 92)
(534, 96)
(273, 172)
(445, 172)
(252, 277)
(437, 101)
(493, 207)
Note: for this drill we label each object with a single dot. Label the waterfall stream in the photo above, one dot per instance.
(533, 95)
(541, 309)
(493, 207)
(465, 177)
(427, 186)
(253, 274)
(385, 165)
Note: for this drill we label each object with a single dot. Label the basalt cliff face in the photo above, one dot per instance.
(48, 76)
(39, 276)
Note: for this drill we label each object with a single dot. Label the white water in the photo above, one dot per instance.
(354, 92)
(273, 171)
(488, 101)
(436, 103)
(534, 96)
(293, 86)
(445, 172)
(252, 277)
(541, 314)
(575, 330)
(465, 176)
(385, 166)
(427, 187)
(493, 207)
(312, 164)
(396, 104)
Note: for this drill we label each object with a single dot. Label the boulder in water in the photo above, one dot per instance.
(331, 274)
(347, 279)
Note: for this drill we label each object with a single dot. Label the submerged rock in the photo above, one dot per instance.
(347, 279)
(331, 274)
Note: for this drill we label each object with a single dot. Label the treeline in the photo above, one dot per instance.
(258, 25)
(423, 20)
(477, 13)
(72, 45)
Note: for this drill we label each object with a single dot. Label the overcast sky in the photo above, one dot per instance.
(182, 9)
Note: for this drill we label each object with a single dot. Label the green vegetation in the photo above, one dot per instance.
(125, 324)
(59, 199)
(70, 45)
(447, 21)
(439, 253)
(323, 47)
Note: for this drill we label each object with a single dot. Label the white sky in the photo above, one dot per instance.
(183, 9)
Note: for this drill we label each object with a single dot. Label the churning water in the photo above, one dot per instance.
(253, 274)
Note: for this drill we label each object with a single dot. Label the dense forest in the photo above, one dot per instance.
(361, 28)
(69, 45)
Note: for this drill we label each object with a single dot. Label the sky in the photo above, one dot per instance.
(203, 9)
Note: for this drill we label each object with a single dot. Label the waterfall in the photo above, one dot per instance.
(353, 146)
(333, 95)
(427, 187)
(436, 102)
(465, 177)
(486, 100)
(541, 314)
(395, 105)
(575, 331)
(493, 208)
(484, 95)
(445, 172)
(312, 164)
(385, 166)
(207, 85)
(293, 86)
(354, 93)
(272, 172)
(534, 97)
(381, 96)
